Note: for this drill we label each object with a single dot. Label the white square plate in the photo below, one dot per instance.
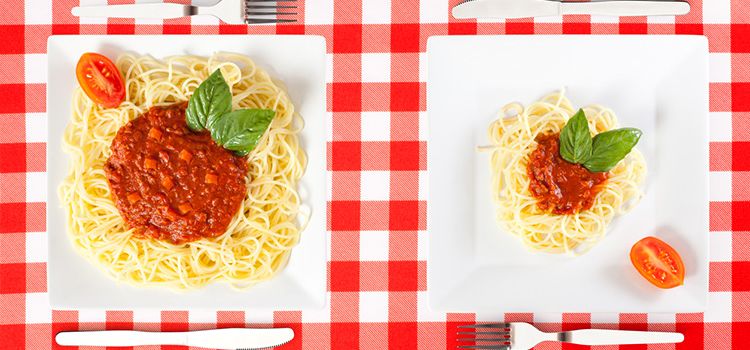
(656, 83)
(74, 283)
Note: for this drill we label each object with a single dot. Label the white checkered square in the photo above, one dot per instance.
(321, 315)
(423, 66)
(605, 318)
(202, 316)
(720, 67)
(329, 68)
(36, 247)
(720, 246)
(717, 11)
(146, 316)
(720, 125)
(661, 318)
(720, 309)
(425, 312)
(373, 246)
(318, 11)
(376, 126)
(36, 187)
(661, 20)
(35, 68)
(255, 317)
(422, 245)
(605, 19)
(373, 307)
(375, 185)
(38, 11)
(36, 127)
(423, 126)
(489, 316)
(548, 317)
(37, 308)
(433, 11)
(423, 183)
(376, 11)
(376, 67)
(92, 316)
(720, 186)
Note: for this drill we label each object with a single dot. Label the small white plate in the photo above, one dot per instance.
(74, 283)
(656, 83)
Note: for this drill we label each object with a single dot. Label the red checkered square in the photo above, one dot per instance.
(374, 216)
(405, 97)
(404, 185)
(35, 97)
(720, 156)
(376, 97)
(741, 97)
(740, 335)
(720, 216)
(14, 278)
(12, 248)
(741, 156)
(228, 319)
(347, 126)
(232, 28)
(741, 307)
(720, 276)
(13, 311)
(346, 155)
(402, 246)
(13, 188)
(741, 186)
(344, 276)
(740, 216)
(11, 42)
(516, 26)
(633, 28)
(405, 38)
(741, 125)
(346, 97)
(741, 276)
(347, 68)
(36, 278)
(405, 155)
(462, 28)
(575, 26)
(740, 67)
(345, 306)
(720, 97)
(347, 38)
(14, 127)
(740, 37)
(344, 245)
(344, 336)
(404, 67)
(402, 335)
(402, 306)
(346, 185)
(13, 98)
(376, 38)
(13, 336)
(344, 215)
(376, 155)
(35, 157)
(740, 244)
(403, 276)
(404, 216)
(688, 29)
(374, 276)
(12, 69)
(35, 217)
(39, 336)
(13, 218)
(404, 126)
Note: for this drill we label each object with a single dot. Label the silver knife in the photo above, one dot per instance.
(227, 338)
(541, 8)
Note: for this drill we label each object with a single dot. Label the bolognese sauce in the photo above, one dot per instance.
(559, 186)
(170, 183)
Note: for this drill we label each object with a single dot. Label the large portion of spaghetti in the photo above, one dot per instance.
(513, 137)
(260, 236)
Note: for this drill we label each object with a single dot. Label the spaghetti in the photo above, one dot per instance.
(513, 136)
(260, 236)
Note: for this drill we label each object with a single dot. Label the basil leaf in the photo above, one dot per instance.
(610, 147)
(241, 130)
(210, 101)
(575, 139)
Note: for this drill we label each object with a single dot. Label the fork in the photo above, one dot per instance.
(523, 336)
(229, 11)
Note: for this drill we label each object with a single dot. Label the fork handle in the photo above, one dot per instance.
(152, 11)
(618, 337)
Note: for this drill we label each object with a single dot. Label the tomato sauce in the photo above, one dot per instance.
(170, 183)
(559, 186)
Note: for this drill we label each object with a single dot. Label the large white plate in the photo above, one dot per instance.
(75, 283)
(656, 83)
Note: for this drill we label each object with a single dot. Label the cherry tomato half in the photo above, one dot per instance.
(658, 262)
(100, 80)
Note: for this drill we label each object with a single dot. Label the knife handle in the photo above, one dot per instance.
(120, 338)
(625, 8)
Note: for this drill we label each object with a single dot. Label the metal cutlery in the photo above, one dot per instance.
(226, 338)
(541, 8)
(229, 11)
(523, 336)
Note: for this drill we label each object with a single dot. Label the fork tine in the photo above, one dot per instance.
(485, 333)
(502, 340)
(268, 20)
(487, 347)
(270, 7)
(486, 325)
(256, 13)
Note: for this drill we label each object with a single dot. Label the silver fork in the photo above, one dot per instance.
(229, 11)
(523, 336)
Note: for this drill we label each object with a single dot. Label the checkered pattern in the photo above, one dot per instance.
(377, 160)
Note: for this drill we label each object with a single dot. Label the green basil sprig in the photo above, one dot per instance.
(210, 108)
(599, 154)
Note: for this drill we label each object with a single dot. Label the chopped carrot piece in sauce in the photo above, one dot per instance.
(211, 179)
(185, 155)
(167, 183)
(154, 133)
(184, 208)
(149, 163)
(134, 197)
(171, 214)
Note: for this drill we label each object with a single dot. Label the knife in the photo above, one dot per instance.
(540, 8)
(227, 338)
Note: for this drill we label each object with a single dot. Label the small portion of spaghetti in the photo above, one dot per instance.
(514, 138)
(260, 235)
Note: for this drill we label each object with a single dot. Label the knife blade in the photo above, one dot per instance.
(542, 8)
(226, 338)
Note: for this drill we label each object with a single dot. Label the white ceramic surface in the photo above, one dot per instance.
(656, 83)
(74, 283)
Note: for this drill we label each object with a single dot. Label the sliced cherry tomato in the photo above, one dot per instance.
(658, 262)
(100, 80)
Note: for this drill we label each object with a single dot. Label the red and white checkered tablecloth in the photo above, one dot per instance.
(377, 159)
